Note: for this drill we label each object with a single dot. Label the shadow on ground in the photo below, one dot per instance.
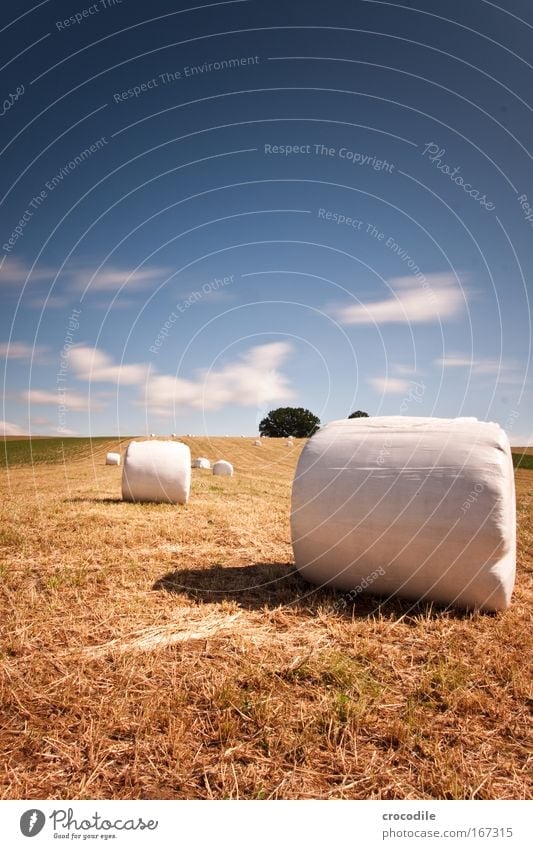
(93, 500)
(273, 585)
(153, 505)
(253, 587)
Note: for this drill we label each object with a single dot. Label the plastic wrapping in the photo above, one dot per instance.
(422, 508)
(201, 463)
(157, 471)
(223, 468)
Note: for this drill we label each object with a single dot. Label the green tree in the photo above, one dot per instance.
(289, 421)
(359, 414)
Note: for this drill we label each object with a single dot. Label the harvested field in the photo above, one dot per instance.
(155, 651)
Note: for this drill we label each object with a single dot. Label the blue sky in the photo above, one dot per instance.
(209, 212)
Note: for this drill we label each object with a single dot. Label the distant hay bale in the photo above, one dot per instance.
(257, 442)
(152, 435)
(223, 468)
(201, 463)
(421, 508)
(173, 435)
(112, 458)
(157, 471)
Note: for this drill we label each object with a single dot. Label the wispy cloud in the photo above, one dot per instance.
(389, 385)
(72, 400)
(252, 380)
(76, 279)
(14, 272)
(454, 361)
(439, 297)
(95, 366)
(10, 429)
(399, 368)
(113, 277)
(508, 371)
(20, 350)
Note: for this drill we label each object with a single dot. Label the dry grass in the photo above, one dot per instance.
(150, 651)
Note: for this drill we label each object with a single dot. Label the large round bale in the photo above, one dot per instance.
(257, 442)
(112, 458)
(157, 471)
(416, 507)
(201, 463)
(223, 468)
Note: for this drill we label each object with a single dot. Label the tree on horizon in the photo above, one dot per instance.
(289, 421)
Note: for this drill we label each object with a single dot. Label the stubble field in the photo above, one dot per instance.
(153, 651)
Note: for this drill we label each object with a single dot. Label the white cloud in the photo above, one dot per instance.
(507, 371)
(10, 429)
(96, 366)
(72, 400)
(112, 278)
(389, 385)
(20, 351)
(13, 271)
(398, 368)
(253, 380)
(439, 297)
(14, 274)
(454, 361)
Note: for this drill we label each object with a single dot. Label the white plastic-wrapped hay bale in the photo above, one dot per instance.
(257, 442)
(416, 507)
(201, 463)
(157, 471)
(112, 458)
(223, 468)
(173, 435)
